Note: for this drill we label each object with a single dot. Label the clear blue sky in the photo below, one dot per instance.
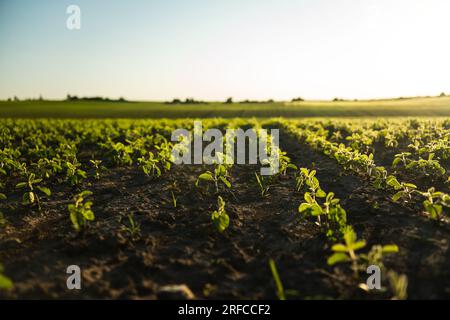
(213, 49)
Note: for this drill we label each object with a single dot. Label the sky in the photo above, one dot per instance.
(214, 49)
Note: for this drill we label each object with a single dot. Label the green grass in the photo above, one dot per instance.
(435, 106)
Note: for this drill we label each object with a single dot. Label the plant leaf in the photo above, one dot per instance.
(338, 257)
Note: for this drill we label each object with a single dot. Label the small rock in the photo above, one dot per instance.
(175, 292)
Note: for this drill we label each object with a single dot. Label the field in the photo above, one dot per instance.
(431, 106)
(105, 194)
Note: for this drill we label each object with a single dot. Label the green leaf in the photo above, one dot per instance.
(31, 197)
(338, 257)
(308, 198)
(47, 191)
(396, 161)
(390, 248)
(303, 207)
(5, 283)
(397, 196)
(393, 182)
(320, 193)
(339, 247)
(221, 221)
(85, 194)
(81, 173)
(350, 237)
(206, 176)
(21, 185)
(225, 181)
(88, 215)
(2, 196)
(330, 196)
(359, 245)
(316, 210)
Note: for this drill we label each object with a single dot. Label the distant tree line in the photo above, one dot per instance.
(186, 101)
(99, 99)
(257, 101)
(227, 101)
(16, 99)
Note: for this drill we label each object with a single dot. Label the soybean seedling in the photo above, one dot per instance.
(73, 173)
(219, 217)
(346, 252)
(434, 203)
(150, 165)
(98, 168)
(31, 196)
(80, 211)
(404, 190)
(398, 284)
(218, 177)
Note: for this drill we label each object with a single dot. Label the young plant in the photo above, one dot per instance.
(336, 217)
(285, 163)
(276, 277)
(80, 211)
(73, 173)
(165, 156)
(404, 190)
(398, 284)
(376, 254)
(434, 203)
(132, 227)
(310, 206)
(98, 168)
(121, 154)
(429, 167)
(31, 195)
(218, 177)
(264, 184)
(149, 165)
(379, 176)
(47, 168)
(346, 252)
(219, 217)
(308, 178)
(174, 199)
(402, 158)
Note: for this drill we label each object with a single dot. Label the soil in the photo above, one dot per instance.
(181, 246)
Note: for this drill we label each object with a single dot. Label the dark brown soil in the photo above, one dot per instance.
(181, 246)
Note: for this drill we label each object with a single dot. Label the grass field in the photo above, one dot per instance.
(434, 106)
